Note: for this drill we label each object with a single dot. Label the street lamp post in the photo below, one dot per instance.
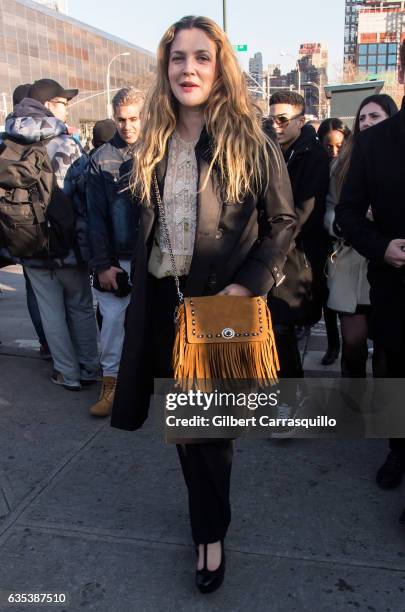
(264, 90)
(297, 65)
(108, 81)
(3, 95)
(93, 95)
(224, 15)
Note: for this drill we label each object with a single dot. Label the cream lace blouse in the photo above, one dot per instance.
(180, 203)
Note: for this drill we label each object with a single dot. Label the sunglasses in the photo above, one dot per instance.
(60, 102)
(282, 120)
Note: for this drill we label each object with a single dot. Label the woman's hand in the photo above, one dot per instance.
(235, 289)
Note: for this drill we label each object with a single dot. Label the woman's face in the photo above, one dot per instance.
(333, 142)
(192, 67)
(371, 114)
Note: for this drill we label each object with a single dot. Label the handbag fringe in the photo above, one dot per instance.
(225, 360)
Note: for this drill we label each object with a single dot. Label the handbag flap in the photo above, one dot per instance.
(224, 318)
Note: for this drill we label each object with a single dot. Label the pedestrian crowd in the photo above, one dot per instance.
(312, 220)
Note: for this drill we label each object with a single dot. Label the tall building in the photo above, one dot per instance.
(317, 53)
(38, 42)
(313, 66)
(351, 27)
(381, 28)
(274, 69)
(256, 71)
(371, 22)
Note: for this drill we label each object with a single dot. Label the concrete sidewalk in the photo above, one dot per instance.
(101, 515)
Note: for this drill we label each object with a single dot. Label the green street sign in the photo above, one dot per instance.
(240, 48)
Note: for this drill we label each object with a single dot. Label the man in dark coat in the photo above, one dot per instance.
(112, 226)
(376, 178)
(298, 300)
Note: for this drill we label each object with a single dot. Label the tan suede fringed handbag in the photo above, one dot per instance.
(220, 336)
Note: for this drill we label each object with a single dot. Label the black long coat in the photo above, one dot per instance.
(300, 298)
(376, 177)
(227, 249)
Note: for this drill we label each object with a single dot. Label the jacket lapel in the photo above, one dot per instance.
(149, 213)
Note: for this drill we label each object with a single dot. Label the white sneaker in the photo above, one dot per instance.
(283, 411)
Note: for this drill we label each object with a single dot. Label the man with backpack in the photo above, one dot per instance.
(43, 225)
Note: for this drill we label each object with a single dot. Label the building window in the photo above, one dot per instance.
(362, 60)
(362, 49)
(372, 69)
(392, 60)
(392, 48)
(382, 59)
(372, 59)
(372, 48)
(382, 48)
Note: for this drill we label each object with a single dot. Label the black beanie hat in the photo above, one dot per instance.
(20, 92)
(103, 131)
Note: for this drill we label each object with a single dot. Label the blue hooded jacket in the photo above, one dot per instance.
(32, 122)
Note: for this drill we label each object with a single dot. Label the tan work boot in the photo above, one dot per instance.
(103, 406)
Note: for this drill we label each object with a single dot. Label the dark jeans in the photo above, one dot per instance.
(33, 309)
(206, 465)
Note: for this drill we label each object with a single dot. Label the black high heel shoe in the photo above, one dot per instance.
(206, 580)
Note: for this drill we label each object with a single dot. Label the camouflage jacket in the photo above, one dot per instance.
(32, 122)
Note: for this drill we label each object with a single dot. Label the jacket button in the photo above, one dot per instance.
(219, 234)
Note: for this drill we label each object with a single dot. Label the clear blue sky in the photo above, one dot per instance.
(265, 25)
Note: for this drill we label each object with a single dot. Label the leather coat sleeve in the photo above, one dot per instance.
(97, 212)
(264, 265)
(350, 213)
(331, 202)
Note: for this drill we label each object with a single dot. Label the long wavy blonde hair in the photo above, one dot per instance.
(240, 148)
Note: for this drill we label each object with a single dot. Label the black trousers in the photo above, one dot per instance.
(288, 352)
(396, 369)
(207, 465)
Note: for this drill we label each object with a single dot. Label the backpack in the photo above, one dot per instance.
(36, 217)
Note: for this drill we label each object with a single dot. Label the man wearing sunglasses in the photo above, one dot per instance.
(298, 300)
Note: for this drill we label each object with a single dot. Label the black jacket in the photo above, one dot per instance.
(299, 299)
(227, 249)
(376, 177)
(112, 215)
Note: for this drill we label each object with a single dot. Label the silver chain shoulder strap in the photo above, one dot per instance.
(166, 237)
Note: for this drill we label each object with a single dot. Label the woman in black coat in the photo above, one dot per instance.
(219, 177)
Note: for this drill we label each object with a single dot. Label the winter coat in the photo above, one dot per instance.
(112, 214)
(300, 298)
(227, 249)
(376, 177)
(31, 122)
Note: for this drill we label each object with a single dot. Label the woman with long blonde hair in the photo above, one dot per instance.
(229, 215)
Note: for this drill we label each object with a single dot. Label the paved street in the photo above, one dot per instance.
(101, 514)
